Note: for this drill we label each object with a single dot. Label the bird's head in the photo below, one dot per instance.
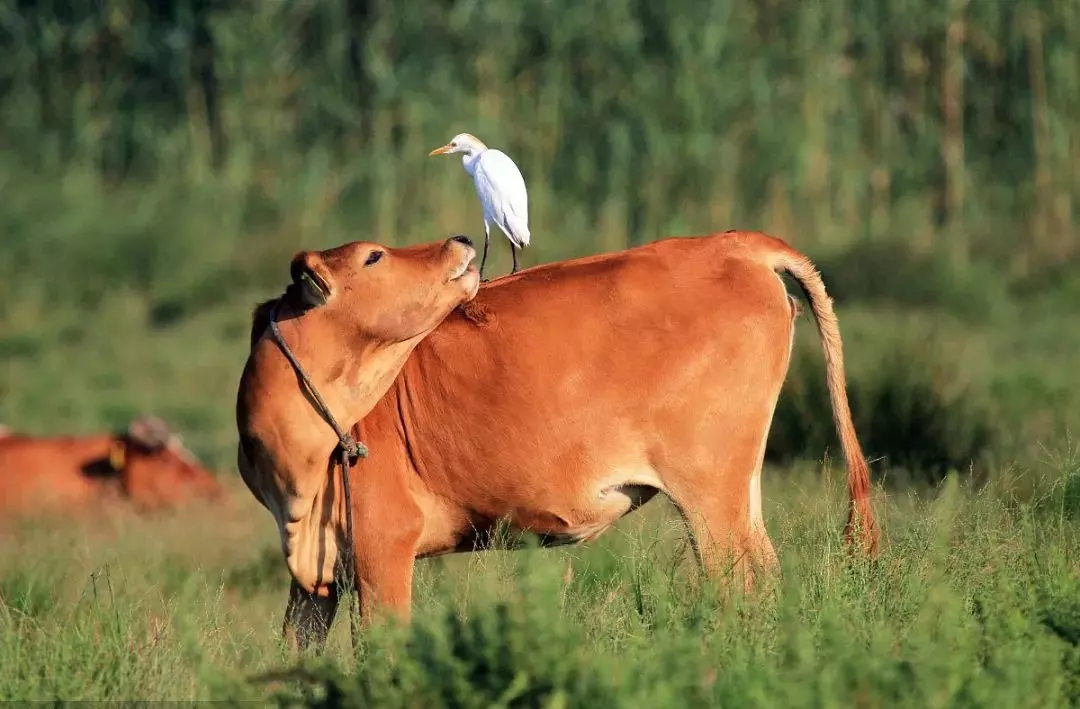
(465, 143)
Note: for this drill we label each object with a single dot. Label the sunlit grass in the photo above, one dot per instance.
(970, 603)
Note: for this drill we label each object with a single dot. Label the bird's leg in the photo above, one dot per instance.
(514, 251)
(487, 240)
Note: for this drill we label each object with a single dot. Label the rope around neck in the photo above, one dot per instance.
(350, 449)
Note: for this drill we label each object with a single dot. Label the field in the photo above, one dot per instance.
(160, 169)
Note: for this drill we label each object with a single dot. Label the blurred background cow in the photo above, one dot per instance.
(146, 466)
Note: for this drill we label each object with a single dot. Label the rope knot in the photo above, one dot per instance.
(353, 448)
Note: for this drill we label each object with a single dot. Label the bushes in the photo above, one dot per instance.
(505, 655)
(907, 408)
(892, 272)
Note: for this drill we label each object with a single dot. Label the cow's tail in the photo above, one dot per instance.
(861, 524)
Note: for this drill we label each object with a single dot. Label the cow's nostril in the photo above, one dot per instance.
(462, 239)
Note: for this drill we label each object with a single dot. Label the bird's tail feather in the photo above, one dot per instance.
(516, 229)
(520, 230)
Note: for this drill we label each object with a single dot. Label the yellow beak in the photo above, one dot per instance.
(440, 151)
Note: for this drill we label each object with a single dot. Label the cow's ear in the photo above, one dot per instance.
(117, 454)
(312, 277)
(150, 432)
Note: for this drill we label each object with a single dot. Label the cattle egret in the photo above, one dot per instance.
(500, 187)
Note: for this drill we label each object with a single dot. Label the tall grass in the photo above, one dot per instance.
(972, 603)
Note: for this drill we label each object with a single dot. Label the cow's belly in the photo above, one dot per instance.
(557, 515)
(585, 524)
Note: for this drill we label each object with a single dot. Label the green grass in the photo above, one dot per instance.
(973, 603)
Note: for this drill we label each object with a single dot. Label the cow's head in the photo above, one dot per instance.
(352, 315)
(156, 470)
(383, 294)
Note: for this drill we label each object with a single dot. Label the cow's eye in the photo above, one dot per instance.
(373, 258)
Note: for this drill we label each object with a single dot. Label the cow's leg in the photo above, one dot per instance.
(388, 525)
(721, 536)
(384, 577)
(761, 546)
(308, 617)
(720, 500)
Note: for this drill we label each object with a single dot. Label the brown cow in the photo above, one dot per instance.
(565, 396)
(146, 465)
(351, 318)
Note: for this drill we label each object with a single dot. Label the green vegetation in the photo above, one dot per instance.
(162, 162)
(973, 604)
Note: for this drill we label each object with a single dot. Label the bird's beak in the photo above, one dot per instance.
(440, 151)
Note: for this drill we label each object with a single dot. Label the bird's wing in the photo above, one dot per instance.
(502, 193)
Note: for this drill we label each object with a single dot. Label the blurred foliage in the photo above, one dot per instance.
(867, 117)
(892, 273)
(913, 420)
(26, 593)
(162, 161)
(265, 571)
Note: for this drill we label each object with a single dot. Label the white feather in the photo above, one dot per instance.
(502, 193)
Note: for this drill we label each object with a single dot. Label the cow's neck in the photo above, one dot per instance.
(391, 427)
(350, 374)
(426, 439)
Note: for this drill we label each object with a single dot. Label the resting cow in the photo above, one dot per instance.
(563, 397)
(351, 317)
(146, 465)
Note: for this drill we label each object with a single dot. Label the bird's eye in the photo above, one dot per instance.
(373, 258)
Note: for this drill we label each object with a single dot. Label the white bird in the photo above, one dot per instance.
(500, 187)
